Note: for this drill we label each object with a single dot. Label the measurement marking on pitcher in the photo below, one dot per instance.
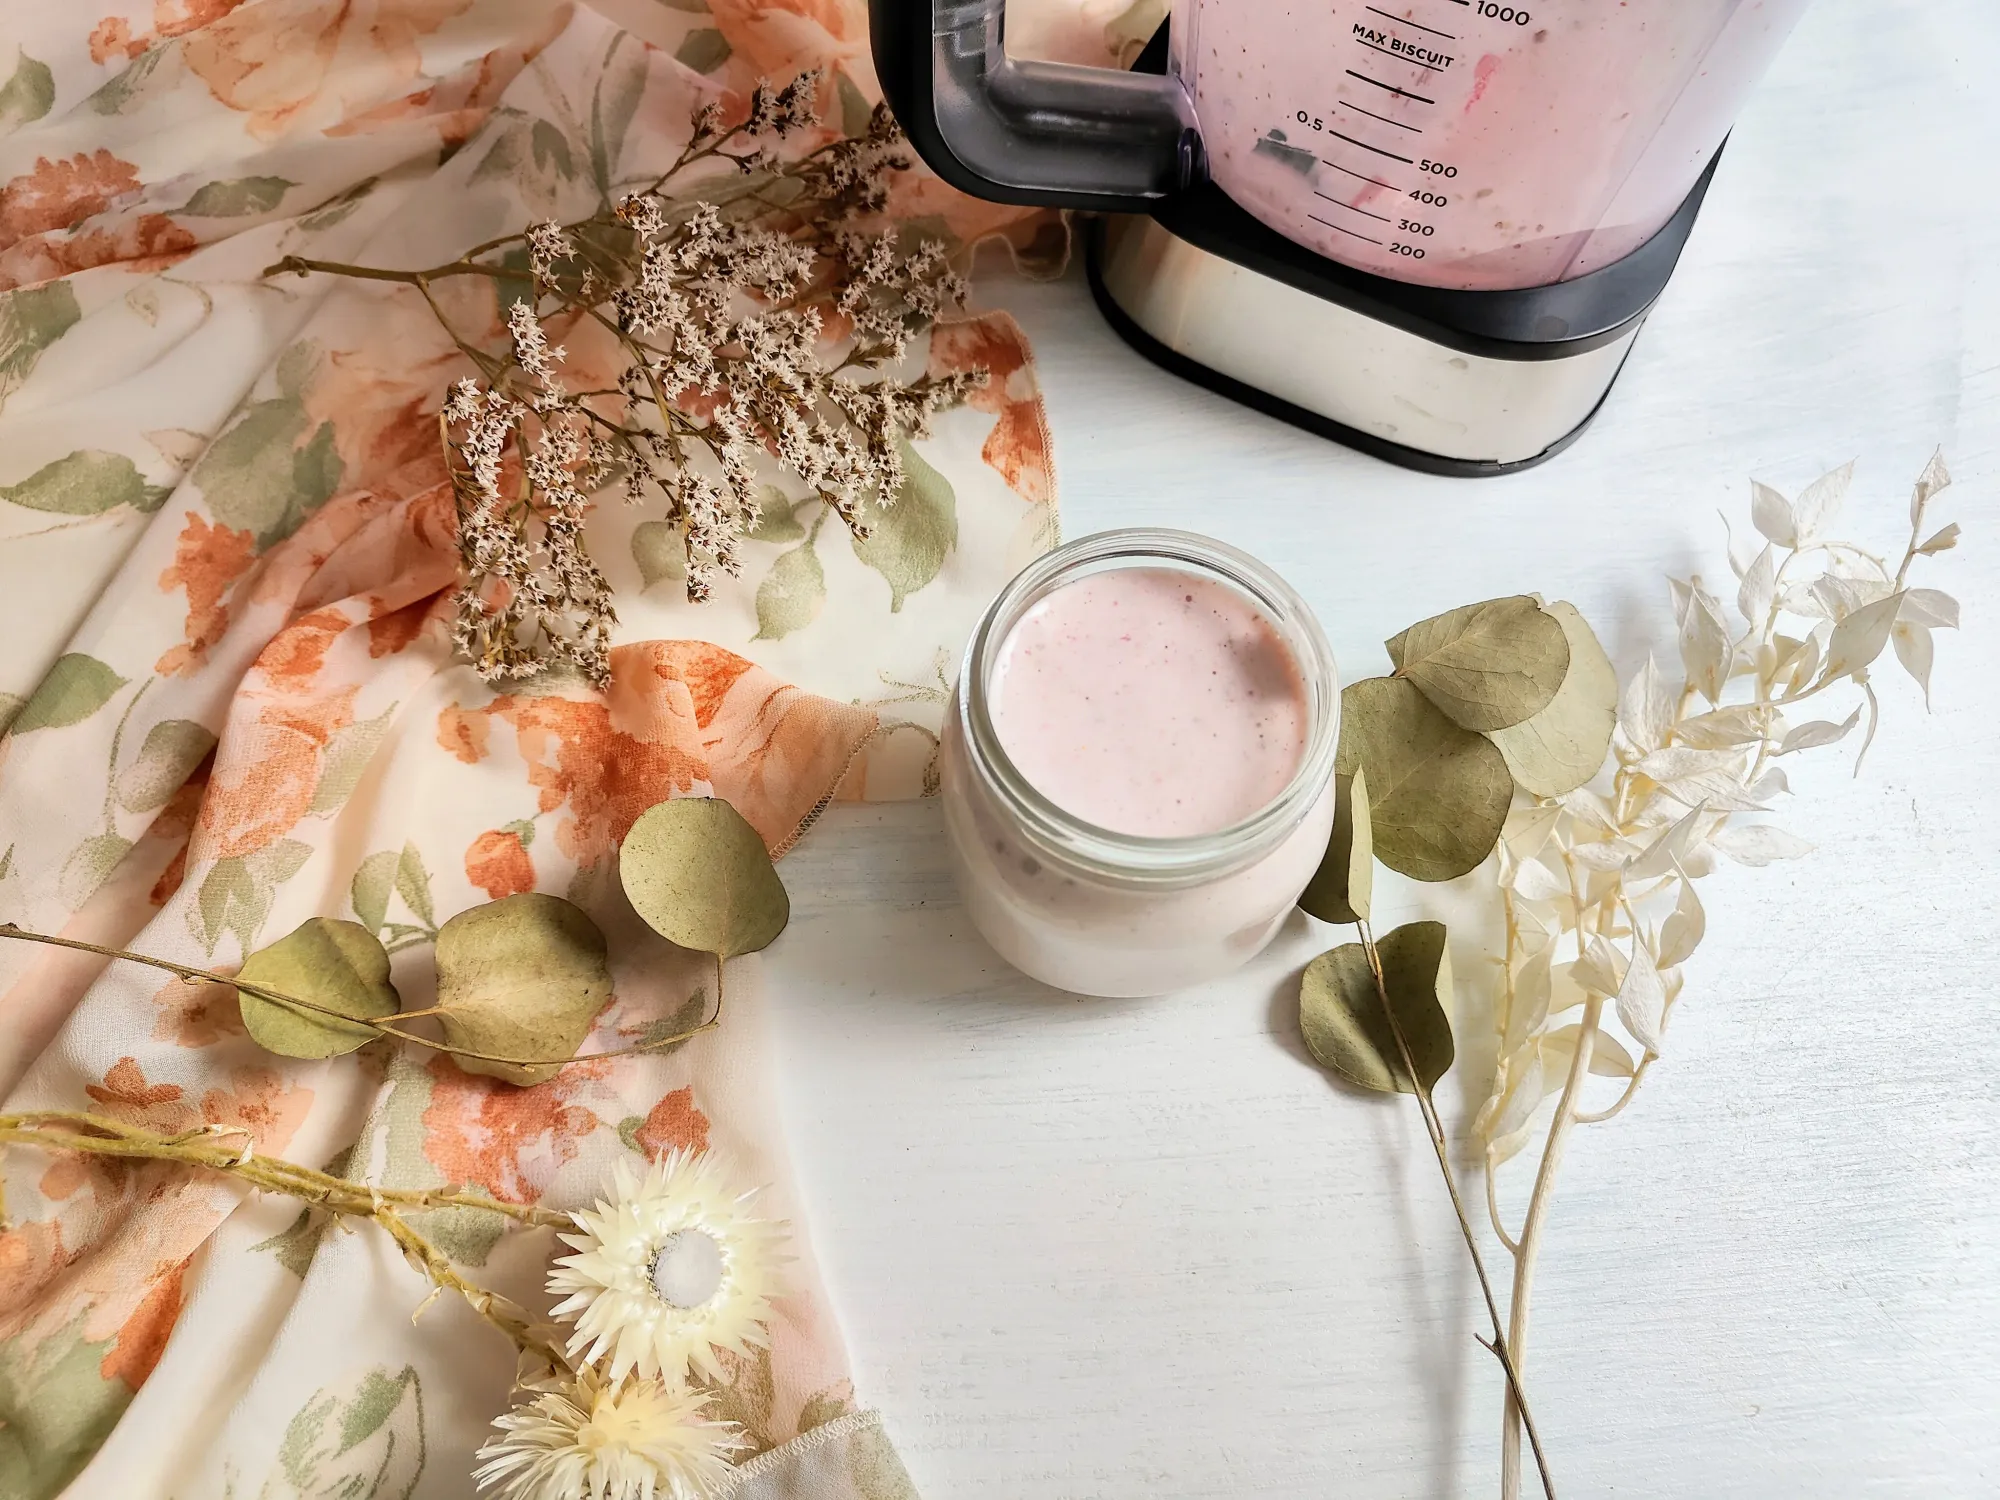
(1390, 87)
(1405, 57)
(1351, 208)
(1330, 225)
(1345, 104)
(1362, 175)
(1406, 161)
(1406, 21)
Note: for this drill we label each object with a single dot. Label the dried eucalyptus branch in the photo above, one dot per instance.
(757, 309)
(345, 1018)
(1598, 888)
(230, 1151)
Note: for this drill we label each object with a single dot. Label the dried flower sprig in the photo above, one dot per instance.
(758, 307)
(1598, 887)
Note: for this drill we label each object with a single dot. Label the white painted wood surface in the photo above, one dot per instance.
(1130, 1249)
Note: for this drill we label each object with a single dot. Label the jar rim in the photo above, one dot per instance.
(1136, 858)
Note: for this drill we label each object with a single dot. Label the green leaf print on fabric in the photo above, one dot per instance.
(28, 94)
(855, 110)
(467, 1235)
(77, 687)
(125, 90)
(237, 197)
(777, 517)
(296, 1245)
(913, 537)
(704, 50)
(271, 468)
(237, 893)
(373, 883)
(30, 320)
(88, 482)
(550, 149)
(413, 884)
(366, 1445)
(172, 749)
(89, 865)
(658, 554)
(613, 104)
(791, 595)
(347, 756)
(56, 1409)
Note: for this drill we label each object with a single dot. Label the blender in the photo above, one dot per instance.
(1428, 229)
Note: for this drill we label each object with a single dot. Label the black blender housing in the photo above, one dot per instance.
(1530, 323)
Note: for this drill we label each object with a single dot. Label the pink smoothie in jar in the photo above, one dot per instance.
(1137, 769)
(1470, 143)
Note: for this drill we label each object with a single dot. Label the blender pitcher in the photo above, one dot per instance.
(1430, 229)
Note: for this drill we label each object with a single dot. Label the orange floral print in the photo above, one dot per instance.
(392, 632)
(142, 1338)
(264, 786)
(57, 194)
(126, 1094)
(196, 1015)
(271, 61)
(112, 35)
(150, 242)
(681, 718)
(257, 1099)
(1018, 446)
(673, 1124)
(508, 1140)
(207, 561)
(498, 864)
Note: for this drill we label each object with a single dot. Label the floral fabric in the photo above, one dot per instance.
(225, 562)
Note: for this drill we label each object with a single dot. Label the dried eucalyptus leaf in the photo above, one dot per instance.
(1438, 794)
(1486, 666)
(700, 876)
(333, 963)
(1344, 884)
(1564, 745)
(520, 977)
(1340, 1009)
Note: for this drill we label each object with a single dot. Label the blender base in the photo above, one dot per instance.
(1337, 372)
(1450, 382)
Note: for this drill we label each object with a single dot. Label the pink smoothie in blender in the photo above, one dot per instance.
(1468, 143)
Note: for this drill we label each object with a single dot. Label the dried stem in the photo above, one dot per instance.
(230, 1151)
(386, 1028)
(1517, 1398)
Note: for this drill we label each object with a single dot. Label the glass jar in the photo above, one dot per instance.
(1098, 912)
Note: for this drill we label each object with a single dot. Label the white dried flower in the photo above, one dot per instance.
(673, 1268)
(547, 244)
(598, 1439)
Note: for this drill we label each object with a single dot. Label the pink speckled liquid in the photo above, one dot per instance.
(1151, 702)
(1469, 143)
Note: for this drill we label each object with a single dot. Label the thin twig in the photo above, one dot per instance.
(1499, 1345)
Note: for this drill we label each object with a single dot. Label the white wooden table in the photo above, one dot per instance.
(1122, 1249)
